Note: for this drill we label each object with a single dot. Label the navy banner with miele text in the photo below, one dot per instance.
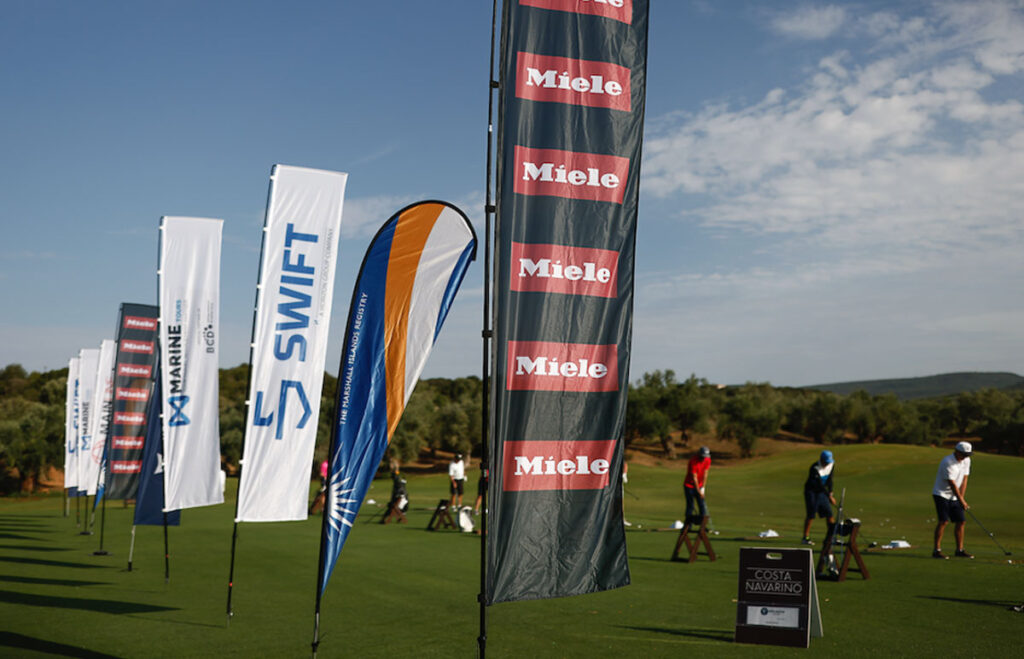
(133, 386)
(570, 126)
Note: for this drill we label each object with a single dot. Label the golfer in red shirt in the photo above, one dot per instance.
(693, 486)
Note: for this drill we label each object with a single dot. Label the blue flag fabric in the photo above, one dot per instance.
(408, 281)
(149, 502)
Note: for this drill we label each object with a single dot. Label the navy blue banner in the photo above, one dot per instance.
(573, 78)
(149, 502)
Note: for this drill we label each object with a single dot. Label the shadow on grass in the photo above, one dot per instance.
(50, 582)
(34, 548)
(723, 635)
(100, 606)
(48, 563)
(18, 536)
(1000, 604)
(22, 642)
(22, 525)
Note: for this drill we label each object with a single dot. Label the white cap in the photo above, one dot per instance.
(963, 447)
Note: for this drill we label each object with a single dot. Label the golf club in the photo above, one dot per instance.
(969, 512)
(827, 560)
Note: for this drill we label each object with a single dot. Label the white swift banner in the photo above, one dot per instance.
(293, 313)
(189, 324)
(99, 419)
(88, 362)
(71, 427)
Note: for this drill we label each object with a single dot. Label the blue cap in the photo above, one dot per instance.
(826, 457)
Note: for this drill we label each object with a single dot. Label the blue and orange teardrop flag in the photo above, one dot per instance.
(409, 277)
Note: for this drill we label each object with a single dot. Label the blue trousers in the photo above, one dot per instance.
(694, 502)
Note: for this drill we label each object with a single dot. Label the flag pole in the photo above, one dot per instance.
(131, 549)
(88, 525)
(248, 390)
(487, 334)
(103, 526)
(331, 447)
(323, 531)
(167, 554)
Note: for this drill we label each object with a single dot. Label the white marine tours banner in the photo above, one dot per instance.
(71, 427)
(293, 312)
(88, 361)
(99, 419)
(189, 276)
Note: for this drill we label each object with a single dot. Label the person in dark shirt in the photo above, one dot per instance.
(818, 498)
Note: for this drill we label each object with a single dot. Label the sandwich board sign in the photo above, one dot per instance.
(778, 597)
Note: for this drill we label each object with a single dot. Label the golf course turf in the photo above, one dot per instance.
(403, 591)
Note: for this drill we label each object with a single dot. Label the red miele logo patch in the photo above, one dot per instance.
(125, 466)
(620, 10)
(135, 370)
(554, 465)
(138, 322)
(572, 81)
(125, 393)
(564, 269)
(145, 347)
(544, 366)
(556, 173)
(130, 418)
(128, 442)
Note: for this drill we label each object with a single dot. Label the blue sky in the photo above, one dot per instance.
(829, 192)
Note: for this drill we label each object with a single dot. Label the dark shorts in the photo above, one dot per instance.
(948, 510)
(817, 504)
(455, 487)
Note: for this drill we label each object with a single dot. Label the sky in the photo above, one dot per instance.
(829, 191)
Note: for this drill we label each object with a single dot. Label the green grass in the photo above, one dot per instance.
(400, 591)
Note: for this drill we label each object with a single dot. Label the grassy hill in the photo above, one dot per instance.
(930, 386)
(400, 591)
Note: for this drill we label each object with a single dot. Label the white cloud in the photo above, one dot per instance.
(362, 216)
(810, 22)
(914, 142)
(884, 195)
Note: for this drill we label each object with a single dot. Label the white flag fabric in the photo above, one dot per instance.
(88, 362)
(294, 298)
(71, 427)
(99, 419)
(189, 327)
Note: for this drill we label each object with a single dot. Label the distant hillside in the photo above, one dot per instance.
(927, 387)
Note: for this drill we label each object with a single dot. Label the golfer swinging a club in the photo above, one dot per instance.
(948, 493)
(818, 499)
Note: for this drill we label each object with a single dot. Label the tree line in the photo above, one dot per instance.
(444, 415)
(660, 406)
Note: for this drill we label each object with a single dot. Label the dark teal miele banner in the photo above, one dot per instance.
(134, 377)
(570, 125)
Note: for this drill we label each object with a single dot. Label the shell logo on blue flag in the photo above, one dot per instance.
(408, 280)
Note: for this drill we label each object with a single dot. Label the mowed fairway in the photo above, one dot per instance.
(400, 591)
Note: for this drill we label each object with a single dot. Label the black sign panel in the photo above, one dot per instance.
(573, 78)
(778, 597)
(134, 373)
